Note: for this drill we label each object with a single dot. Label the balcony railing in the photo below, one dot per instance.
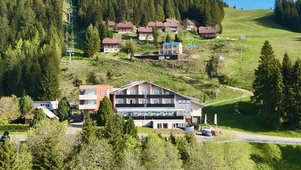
(155, 117)
(145, 105)
(160, 105)
(130, 96)
(161, 96)
(87, 97)
(87, 107)
(130, 105)
(146, 96)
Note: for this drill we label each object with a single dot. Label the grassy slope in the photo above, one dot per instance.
(259, 25)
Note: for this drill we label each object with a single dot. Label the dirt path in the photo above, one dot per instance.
(246, 93)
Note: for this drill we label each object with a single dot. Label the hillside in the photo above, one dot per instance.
(189, 77)
(258, 26)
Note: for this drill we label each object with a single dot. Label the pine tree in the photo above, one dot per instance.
(155, 35)
(50, 65)
(286, 78)
(167, 39)
(26, 105)
(92, 42)
(63, 109)
(88, 131)
(105, 114)
(8, 155)
(268, 87)
(294, 115)
(159, 13)
(38, 117)
(130, 128)
(169, 9)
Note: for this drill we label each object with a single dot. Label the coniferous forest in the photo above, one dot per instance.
(140, 12)
(30, 47)
(288, 13)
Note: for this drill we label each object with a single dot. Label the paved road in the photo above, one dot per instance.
(257, 138)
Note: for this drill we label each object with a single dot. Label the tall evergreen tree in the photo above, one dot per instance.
(50, 65)
(92, 42)
(130, 128)
(295, 114)
(26, 105)
(268, 87)
(63, 109)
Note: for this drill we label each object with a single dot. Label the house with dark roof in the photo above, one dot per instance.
(145, 33)
(172, 25)
(111, 44)
(158, 24)
(207, 32)
(126, 27)
(155, 106)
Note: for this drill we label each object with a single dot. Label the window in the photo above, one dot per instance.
(165, 125)
(119, 101)
(143, 101)
(107, 93)
(144, 92)
(167, 101)
(156, 101)
(47, 105)
(133, 92)
(156, 92)
(174, 51)
(167, 92)
(159, 126)
(132, 101)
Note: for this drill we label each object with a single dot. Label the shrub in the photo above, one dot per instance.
(14, 128)
(96, 78)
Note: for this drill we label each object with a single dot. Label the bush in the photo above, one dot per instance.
(97, 78)
(14, 128)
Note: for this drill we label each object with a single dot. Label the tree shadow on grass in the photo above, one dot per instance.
(291, 155)
(268, 21)
(248, 120)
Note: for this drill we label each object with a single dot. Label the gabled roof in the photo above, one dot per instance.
(48, 113)
(111, 41)
(207, 30)
(111, 24)
(173, 21)
(125, 25)
(145, 30)
(193, 100)
(171, 24)
(155, 24)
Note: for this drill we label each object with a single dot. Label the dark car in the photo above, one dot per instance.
(206, 131)
(4, 137)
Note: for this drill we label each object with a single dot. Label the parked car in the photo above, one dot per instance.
(206, 131)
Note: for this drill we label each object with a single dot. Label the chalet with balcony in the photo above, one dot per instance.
(111, 44)
(91, 95)
(145, 33)
(159, 25)
(207, 32)
(190, 25)
(172, 25)
(155, 106)
(172, 48)
(126, 27)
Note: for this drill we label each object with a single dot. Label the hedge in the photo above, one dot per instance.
(14, 128)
